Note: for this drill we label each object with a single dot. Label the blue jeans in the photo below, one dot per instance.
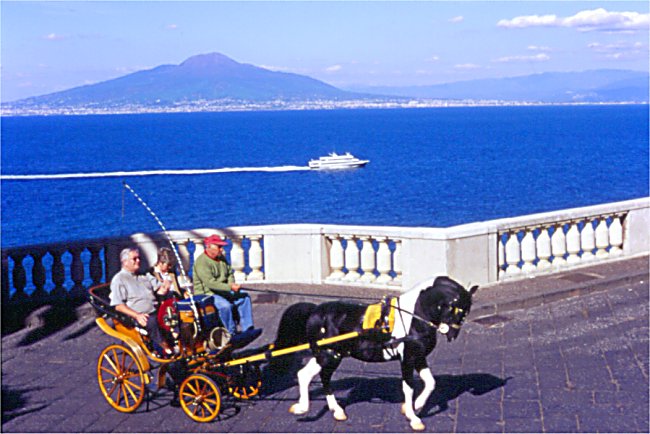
(242, 301)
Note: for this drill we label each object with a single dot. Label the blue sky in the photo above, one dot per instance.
(52, 46)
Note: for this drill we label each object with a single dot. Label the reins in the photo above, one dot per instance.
(334, 297)
(323, 296)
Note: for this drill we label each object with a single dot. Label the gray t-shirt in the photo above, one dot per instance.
(136, 291)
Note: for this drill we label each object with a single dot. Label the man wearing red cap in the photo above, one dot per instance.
(213, 275)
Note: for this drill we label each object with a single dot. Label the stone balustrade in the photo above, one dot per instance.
(364, 259)
(377, 256)
(548, 245)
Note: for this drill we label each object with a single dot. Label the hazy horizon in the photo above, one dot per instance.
(53, 46)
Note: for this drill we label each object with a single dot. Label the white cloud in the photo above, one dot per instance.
(538, 48)
(433, 58)
(333, 68)
(171, 26)
(620, 50)
(588, 20)
(53, 37)
(467, 66)
(529, 21)
(541, 57)
(458, 19)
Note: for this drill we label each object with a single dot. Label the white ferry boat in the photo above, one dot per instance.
(334, 161)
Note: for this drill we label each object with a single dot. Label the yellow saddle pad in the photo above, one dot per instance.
(381, 315)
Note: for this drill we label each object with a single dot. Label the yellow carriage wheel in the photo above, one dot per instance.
(246, 391)
(200, 398)
(246, 383)
(121, 378)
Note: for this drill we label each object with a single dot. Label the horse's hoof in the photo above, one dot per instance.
(417, 426)
(340, 416)
(296, 409)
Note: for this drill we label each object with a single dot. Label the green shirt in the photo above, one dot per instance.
(211, 276)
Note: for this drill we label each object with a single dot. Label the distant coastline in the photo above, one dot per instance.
(246, 106)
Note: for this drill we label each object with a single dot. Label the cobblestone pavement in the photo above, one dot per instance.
(576, 364)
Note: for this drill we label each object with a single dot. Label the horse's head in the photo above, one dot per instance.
(447, 303)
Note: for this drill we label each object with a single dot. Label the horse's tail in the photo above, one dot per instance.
(292, 331)
(293, 325)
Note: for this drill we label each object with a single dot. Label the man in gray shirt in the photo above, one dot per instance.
(134, 295)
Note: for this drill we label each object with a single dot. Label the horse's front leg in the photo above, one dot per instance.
(408, 387)
(305, 375)
(330, 362)
(429, 385)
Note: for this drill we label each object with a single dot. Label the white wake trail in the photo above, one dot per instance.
(153, 172)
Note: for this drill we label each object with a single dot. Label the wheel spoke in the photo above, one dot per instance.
(119, 394)
(110, 362)
(112, 373)
(125, 395)
(128, 387)
(193, 388)
(110, 392)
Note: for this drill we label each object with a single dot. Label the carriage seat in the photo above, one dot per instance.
(99, 299)
(381, 315)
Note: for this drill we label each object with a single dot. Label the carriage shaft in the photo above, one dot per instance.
(294, 349)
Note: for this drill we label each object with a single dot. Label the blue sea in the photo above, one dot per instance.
(428, 167)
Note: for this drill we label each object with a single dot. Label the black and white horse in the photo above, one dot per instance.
(436, 305)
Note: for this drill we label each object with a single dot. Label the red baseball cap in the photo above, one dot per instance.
(215, 239)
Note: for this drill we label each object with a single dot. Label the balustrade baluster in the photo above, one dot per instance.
(513, 255)
(383, 260)
(96, 267)
(19, 277)
(616, 236)
(58, 273)
(528, 254)
(588, 241)
(543, 248)
(573, 243)
(255, 258)
(4, 279)
(602, 238)
(397, 263)
(77, 271)
(352, 261)
(501, 257)
(237, 259)
(336, 258)
(38, 275)
(184, 253)
(368, 259)
(199, 248)
(558, 245)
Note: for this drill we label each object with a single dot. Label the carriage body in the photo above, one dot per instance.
(125, 370)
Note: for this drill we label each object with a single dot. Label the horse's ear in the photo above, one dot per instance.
(473, 289)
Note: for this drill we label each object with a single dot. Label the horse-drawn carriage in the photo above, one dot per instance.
(202, 366)
(210, 361)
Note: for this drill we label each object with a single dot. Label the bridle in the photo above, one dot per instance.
(442, 327)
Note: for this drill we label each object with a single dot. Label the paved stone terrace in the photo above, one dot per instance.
(562, 353)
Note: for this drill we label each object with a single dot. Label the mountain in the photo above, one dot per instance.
(204, 77)
(603, 85)
(215, 82)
